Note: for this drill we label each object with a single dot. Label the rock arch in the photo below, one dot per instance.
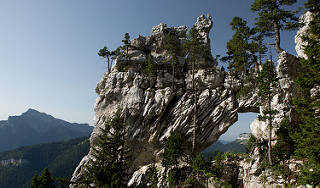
(153, 109)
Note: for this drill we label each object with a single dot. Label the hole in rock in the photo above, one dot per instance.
(229, 140)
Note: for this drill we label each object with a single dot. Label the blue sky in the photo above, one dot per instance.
(48, 48)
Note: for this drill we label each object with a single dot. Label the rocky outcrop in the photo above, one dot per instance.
(305, 19)
(153, 109)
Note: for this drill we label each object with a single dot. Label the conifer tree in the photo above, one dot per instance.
(110, 56)
(243, 46)
(199, 165)
(195, 51)
(126, 45)
(107, 167)
(173, 150)
(266, 81)
(172, 49)
(46, 180)
(273, 18)
(149, 69)
(308, 106)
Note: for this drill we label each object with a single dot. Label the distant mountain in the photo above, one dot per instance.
(33, 127)
(243, 138)
(216, 146)
(17, 167)
(237, 146)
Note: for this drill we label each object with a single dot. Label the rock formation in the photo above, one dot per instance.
(152, 109)
(305, 19)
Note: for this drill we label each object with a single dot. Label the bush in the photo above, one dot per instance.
(199, 164)
(152, 176)
(285, 145)
(251, 143)
(175, 176)
(122, 68)
(148, 67)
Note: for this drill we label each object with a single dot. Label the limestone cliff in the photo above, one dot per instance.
(153, 108)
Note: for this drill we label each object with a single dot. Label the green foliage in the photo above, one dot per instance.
(60, 157)
(284, 147)
(122, 68)
(273, 18)
(284, 171)
(218, 167)
(194, 47)
(125, 47)
(107, 167)
(243, 46)
(110, 56)
(173, 150)
(249, 85)
(46, 180)
(251, 143)
(199, 164)
(149, 69)
(196, 52)
(311, 173)
(266, 81)
(126, 40)
(308, 137)
(171, 44)
(172, 49)
(152, 175)
(175, 176)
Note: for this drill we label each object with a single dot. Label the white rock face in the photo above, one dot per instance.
(305, 19)
(154, 109)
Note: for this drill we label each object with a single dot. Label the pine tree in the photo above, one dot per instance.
(173, 150)
(126, 45)
(243, 46)
(199, 165)
(107, 167)
(35, 182)
(273, 18)
(266, 81)
(308, 106)
(172, 49)
(149, 69)
(110, 56)
(46, 180)
(195, 52)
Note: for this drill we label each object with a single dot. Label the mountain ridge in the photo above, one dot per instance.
(33, 127)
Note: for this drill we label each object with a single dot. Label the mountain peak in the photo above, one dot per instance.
(243, 138)
(33, 127)
(32, 111)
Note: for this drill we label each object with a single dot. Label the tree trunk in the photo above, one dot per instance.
(109, 64)
(172, 75)
(270, 133)
(194, 111)
(277, 37)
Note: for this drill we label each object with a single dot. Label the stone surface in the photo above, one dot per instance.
(305, 19)
(153, 109)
